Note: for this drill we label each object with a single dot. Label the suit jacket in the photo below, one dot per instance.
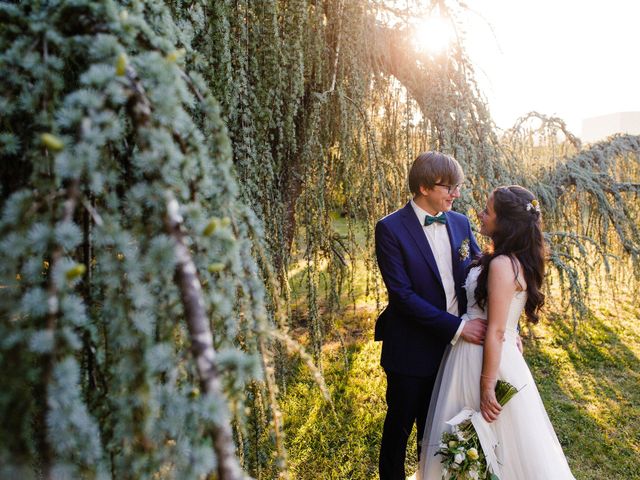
(415, 327)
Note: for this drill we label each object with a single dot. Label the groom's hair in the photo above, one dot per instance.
(430, 168)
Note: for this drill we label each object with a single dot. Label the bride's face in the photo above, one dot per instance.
(487, 219)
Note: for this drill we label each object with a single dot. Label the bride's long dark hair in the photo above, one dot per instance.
(518, 234)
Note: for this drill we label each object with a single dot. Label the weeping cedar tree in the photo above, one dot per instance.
(133, 313)
(327, 103)
(131, 310)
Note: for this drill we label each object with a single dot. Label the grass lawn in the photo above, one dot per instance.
(589, 382)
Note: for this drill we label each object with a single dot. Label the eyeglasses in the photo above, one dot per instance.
(451, 188)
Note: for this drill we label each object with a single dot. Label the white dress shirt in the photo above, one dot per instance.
(438, 239)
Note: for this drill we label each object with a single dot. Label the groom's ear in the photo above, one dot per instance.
(424, 191)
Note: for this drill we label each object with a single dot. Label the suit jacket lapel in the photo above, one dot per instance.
(414, 228)
(455, 254)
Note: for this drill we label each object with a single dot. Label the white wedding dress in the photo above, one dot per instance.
(528, 448)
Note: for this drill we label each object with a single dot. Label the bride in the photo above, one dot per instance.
(501, 285)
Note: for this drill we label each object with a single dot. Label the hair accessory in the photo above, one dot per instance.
(533, 205)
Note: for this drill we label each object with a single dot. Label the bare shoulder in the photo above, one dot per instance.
(501, 264)
(505, 269)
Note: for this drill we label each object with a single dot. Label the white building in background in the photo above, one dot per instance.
(595, 129)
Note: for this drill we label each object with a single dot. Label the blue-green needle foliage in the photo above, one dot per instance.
(101, 123)
(109, 110)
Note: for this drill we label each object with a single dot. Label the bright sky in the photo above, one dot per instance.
(570, 58)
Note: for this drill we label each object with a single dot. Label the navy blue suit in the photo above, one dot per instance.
(415, 327)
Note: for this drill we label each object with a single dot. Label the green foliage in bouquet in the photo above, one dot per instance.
(462, 454)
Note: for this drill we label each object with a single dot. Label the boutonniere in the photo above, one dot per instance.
(464, 250)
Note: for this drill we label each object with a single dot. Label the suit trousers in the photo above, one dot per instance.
(407, 404)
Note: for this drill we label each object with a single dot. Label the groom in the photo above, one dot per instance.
(423, 252)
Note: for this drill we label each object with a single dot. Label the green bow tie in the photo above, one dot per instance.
(428, 220)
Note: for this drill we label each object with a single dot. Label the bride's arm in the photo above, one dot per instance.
(501, 288)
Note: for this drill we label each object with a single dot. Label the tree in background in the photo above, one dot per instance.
(327, 104)
(124, 247)
(164, 164)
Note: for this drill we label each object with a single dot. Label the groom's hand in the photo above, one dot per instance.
(474, 331)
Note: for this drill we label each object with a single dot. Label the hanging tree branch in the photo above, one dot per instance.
(53, 311)
(201, 337)
(202, 342)
(547, 122)
(591, 171)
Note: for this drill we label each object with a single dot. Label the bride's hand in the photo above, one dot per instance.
(489, 405)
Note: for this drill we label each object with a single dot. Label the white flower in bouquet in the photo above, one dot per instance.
(459, 458)
(474, 475)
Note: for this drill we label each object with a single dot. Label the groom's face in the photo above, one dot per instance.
(438, 198)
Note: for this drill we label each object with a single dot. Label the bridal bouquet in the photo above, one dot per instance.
(462, 452)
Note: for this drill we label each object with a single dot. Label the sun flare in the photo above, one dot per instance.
(433, 34)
